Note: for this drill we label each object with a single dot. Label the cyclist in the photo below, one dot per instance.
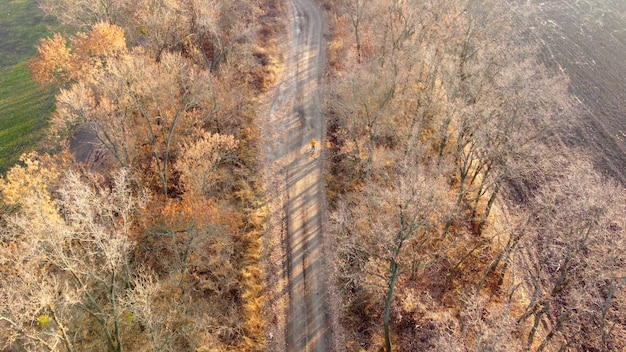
(313, 142)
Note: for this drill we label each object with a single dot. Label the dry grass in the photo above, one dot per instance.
(267, 51)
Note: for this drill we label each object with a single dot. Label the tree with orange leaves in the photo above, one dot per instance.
(87, 54)
(140, 110)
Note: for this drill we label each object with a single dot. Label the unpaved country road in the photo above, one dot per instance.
(295, 119)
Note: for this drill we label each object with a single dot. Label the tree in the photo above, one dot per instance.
(193, 246)
(164, 25)
(53, 62)
(66, 259)
(87, 55)
(93, 266)
(208, 32)
(572, 259)
(452, 93)
(358, 13)
(363, 103)
(392, 232)
(84, 14)
(141, 111)
(494, 112)
(482, 326)
(200, 160)
(175, 112)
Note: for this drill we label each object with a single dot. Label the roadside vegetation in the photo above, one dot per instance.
(457, 219)
(148, 237)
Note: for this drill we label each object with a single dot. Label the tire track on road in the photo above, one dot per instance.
(294, 120)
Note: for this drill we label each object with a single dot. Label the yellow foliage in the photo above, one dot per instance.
(104, 39)
(28, 185)
(87, 54)
(252, 278)
(245, 193)
(53, 60)
(258, 216)
(129, 317)
(43, 320)
(200, 159)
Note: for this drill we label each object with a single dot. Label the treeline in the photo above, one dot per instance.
(147, 235)
(458, 221)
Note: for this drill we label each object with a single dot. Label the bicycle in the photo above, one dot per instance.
(312, 151)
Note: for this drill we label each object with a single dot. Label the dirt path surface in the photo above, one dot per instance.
(295, 182)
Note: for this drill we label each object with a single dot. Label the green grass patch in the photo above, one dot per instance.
(22, 25)
(25, 107)
(24, 113)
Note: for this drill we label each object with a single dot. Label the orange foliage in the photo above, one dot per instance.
(182, 220)
(104, 40)
(92, 50)
(53, 60)
(178, 215)
(87, 54)
(29, 184)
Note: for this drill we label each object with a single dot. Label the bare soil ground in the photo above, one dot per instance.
(294, 184)
(586, 40)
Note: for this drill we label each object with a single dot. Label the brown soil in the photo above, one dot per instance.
(295, 189)
(586, 40)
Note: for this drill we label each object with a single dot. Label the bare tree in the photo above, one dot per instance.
(483, 326)
(67, 262)
(448, 92)
(391, 233)
(83, 14)
(141, 111)
(573, 258)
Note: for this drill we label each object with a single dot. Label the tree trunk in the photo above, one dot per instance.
(392, 284)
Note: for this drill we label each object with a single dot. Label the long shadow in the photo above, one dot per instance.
(304, 242)
(306, 316)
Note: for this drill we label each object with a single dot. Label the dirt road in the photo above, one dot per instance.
(294, 120)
